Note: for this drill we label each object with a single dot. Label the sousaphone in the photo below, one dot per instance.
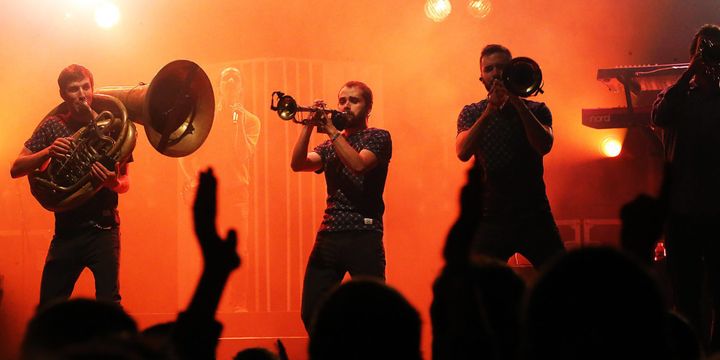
(176, 109)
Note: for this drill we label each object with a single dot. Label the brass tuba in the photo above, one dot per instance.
(176, 109)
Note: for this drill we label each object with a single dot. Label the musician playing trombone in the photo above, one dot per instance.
(87, 235)
(355, 163)
(508, 136)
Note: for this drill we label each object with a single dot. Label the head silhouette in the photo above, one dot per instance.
(595, 303)
(365, 319)
(74, 322)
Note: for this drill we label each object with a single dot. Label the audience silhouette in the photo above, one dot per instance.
(476, 300)
(595, 303)
(590, 303)
(84, 329)
(365, 319)
(72, 323)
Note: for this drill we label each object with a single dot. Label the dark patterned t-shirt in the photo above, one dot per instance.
(513, 169)
(354, 201)
(101, 209)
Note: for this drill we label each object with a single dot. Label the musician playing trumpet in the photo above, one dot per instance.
(355, 162)
(508, 136)
(87, 235)
(688, 112)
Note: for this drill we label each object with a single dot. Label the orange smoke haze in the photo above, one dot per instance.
(422, 74)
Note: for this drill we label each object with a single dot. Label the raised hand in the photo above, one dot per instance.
(197, 331)
(282, 353)
(218, 254)
(459, 239)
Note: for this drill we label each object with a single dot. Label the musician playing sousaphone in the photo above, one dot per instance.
(87, 235)
(508, 136)
(688, 112)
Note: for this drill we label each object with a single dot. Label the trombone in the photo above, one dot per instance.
(523, 77)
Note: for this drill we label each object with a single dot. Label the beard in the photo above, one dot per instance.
(357, 120)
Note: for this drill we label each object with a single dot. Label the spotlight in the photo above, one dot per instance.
(437, 10)
(611, 147)
(107, 15)
(479, 8)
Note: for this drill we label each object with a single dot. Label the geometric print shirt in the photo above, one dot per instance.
(101, 209)
(354, 202)
(513, 170)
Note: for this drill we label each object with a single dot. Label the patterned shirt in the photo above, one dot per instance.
(354, 201)
(513, 169)
(99, 210)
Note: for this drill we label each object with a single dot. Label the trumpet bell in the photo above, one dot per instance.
(522, 77)
(287, 107)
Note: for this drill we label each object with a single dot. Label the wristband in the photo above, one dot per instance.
(334, 137)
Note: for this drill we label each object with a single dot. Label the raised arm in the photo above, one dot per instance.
(467, 141)
(301, 159)
(28, 161)
(539, 135)
(670, 101)
(197, 332)
(359, 162)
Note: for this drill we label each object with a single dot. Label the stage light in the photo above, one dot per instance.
(611, 147)
(437, 10)
(479, 8)
(107, 15)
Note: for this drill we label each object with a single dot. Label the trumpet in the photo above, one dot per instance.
(286, 108)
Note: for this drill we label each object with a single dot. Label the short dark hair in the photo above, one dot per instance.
(494, 48)
(72, 73)
(708, 31)
(366, 92)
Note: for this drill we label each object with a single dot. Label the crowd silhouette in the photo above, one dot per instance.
(589, 303)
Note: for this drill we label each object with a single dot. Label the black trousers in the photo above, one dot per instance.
(693, 260)
(534, 236)
(94, 247)
(361, 253)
